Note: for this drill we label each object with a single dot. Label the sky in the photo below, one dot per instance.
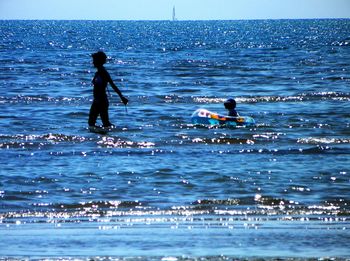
(162, 9)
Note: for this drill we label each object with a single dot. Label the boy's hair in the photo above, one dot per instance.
(99, 57)
(230, 104)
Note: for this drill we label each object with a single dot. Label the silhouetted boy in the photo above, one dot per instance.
(100, 103)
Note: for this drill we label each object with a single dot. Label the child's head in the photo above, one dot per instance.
(230, 104)
(99, 58)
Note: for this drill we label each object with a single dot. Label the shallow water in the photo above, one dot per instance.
(158, 186)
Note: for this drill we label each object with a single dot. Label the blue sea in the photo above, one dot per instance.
(158, 187)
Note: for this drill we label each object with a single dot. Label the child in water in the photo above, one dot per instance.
(100, 103)
(230, 105)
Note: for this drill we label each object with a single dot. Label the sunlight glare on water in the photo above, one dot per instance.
(158, 186)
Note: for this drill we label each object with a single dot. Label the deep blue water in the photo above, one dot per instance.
(158, 186)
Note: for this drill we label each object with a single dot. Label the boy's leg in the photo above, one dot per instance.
(104, 115)
(93, 114)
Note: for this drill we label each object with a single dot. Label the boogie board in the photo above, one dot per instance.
(205, 117)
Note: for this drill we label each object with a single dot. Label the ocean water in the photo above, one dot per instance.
(158, 187)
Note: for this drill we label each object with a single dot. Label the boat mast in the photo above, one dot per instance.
(174, 17)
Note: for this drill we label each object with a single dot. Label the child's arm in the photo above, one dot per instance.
(116, 89)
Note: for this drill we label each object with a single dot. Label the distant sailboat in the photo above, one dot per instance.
(174, 17)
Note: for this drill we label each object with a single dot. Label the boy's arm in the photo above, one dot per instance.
(116, 89)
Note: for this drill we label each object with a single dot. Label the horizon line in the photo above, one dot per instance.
(170, 20)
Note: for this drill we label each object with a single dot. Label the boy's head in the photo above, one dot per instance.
(230, 104)
(99, 58)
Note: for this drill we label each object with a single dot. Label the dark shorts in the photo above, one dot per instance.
(99, 108)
